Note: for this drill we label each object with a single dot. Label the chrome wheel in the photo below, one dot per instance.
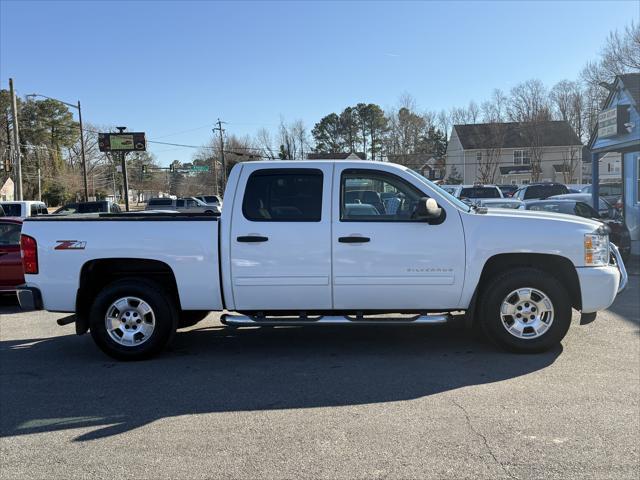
(130, 321)
(526, 313)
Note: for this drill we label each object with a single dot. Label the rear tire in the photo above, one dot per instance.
(133, 319)
(525, 310)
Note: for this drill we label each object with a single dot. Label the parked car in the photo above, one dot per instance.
(288, 249)
(611, 192)
(508, 190)
(100, 206)
(188, 204)
(210, 200)
(24, 209)
(540, 190)
(619, 233)
(605, 209)
(499, 203)
(10, 262)
(477, 191)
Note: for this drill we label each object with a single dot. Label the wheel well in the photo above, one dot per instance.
(560, 267)
(96, 274)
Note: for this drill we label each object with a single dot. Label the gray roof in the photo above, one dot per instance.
(515, 134)
(631, 82)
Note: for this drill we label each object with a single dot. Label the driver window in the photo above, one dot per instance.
(369, 195)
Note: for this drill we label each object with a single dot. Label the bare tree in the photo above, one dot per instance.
(490, 161)
(495, 109)
(570, 161)
(567, 101)
(444, 122)
(529, 101)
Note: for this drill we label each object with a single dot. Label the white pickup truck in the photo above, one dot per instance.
(321, 243)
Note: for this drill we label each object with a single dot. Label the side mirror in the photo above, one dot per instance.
(428, 209)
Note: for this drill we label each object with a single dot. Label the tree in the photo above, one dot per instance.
(567, 102)
(434, 143)
(495, 109)
(374, 122)
(529, 102)
(490, 156)
(570, 160)
(454, 177)
(350, 129)
(621, 54)
(327, 134)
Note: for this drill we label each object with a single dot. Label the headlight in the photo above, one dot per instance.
(596, 249)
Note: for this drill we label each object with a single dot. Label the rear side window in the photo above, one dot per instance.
(284, 195)
(10, 233)
(12, 209)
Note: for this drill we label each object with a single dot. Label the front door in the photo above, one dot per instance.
(385, 259)
(281, 239)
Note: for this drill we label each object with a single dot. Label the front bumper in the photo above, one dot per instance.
(29, 298)
(600, 285)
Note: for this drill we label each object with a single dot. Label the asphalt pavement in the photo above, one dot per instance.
(339, 403)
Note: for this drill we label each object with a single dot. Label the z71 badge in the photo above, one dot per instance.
(70, 245)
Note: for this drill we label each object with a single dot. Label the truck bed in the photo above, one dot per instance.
(187, 243)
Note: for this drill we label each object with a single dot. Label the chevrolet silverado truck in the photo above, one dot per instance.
(320, 243)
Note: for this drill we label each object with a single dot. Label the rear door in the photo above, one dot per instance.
(280, 238)
(388, 260)
(10, 261)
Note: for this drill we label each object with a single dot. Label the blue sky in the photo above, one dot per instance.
(172, 68)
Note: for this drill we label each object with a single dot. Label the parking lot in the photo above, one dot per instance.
(330, 403)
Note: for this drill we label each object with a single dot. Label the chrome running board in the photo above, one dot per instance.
(247, 321)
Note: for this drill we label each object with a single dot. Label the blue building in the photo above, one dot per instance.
(619, 131)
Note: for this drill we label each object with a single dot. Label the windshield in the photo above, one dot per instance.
(455, 201)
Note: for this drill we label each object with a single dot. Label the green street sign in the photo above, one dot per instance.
(200, 168)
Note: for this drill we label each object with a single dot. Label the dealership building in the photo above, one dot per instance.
(619, 131)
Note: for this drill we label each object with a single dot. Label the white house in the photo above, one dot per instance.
(511, 152)
(611, 167)
(7, 190)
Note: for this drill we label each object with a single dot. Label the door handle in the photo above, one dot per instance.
(3, 253)
(353, 239)
(252, 239)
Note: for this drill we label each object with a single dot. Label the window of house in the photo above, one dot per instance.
(371, 195)
(521, 157)
(478, 157)
(284, 195)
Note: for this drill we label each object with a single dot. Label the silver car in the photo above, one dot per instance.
(186, 205)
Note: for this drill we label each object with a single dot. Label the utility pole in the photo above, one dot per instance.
(215, 175)
(224, 165)
(16, 140)
(84, 160)
(125, 180)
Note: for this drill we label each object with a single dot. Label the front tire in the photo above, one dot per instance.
(525, 311)
(133, 319)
